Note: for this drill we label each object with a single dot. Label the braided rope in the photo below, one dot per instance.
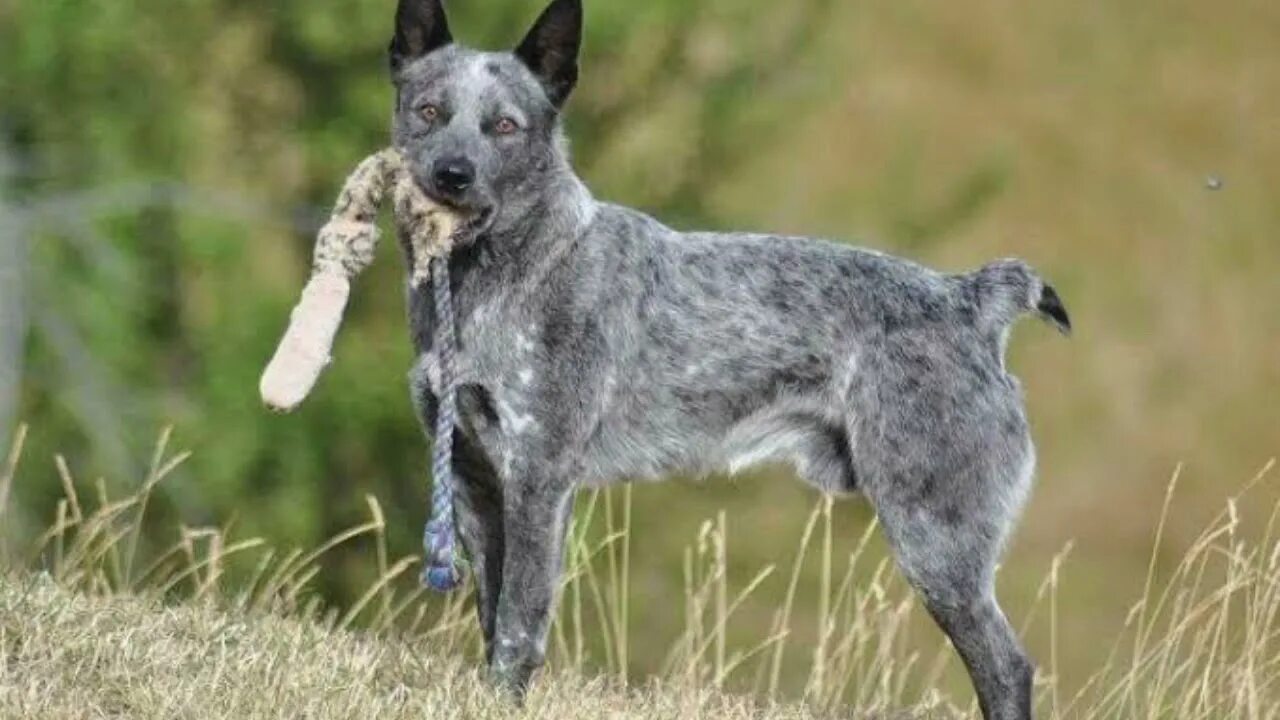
(443, 567)
(344, 247)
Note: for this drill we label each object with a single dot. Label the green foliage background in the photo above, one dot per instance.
(165, 163)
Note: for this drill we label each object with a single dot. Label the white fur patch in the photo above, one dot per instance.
(513, 421)
(777, 447)
(850, 373)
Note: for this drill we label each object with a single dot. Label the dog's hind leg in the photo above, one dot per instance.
(946, 533)
(953, 575)
(998, 666)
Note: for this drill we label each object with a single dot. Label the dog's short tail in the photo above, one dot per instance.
(1006, 289)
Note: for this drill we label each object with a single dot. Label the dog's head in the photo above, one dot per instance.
(481, 130)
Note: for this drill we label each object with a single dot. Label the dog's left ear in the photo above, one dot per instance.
(550, 49)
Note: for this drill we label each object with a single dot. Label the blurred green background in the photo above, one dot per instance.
(164, 163)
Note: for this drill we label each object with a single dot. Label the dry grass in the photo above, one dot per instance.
(68, 655)
(90, 629)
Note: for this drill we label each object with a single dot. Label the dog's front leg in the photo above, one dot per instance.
(535, 516)
(478, 513)
(477, 504)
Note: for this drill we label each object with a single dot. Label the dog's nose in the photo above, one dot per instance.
(452, 176)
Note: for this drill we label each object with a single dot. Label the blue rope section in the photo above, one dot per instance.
(443, 567)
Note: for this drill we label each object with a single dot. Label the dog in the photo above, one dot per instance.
(597, 345)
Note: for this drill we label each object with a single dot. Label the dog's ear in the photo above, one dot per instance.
(421, 27)
(550, 49)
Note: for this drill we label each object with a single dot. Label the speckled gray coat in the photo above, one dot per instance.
(597, 345)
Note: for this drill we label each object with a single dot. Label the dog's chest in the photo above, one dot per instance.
(499, 365)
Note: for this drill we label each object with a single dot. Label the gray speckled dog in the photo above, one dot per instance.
(597, 345)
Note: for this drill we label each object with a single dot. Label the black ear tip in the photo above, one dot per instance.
(566, 11)
(421, 27)
(1051, 307)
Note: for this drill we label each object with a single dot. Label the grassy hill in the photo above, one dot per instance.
(66, 655)
(91, 627)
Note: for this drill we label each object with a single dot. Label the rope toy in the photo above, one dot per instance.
(344, 247)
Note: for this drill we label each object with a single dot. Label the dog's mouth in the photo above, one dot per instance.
(476, 221)
(479, 222)
(477, 213)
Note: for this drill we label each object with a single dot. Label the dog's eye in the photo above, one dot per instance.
(505, 126)
(429, 112)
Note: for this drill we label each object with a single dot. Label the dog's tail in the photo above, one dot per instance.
(1006, 289)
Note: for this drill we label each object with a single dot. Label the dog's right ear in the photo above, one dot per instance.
(421, 27)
